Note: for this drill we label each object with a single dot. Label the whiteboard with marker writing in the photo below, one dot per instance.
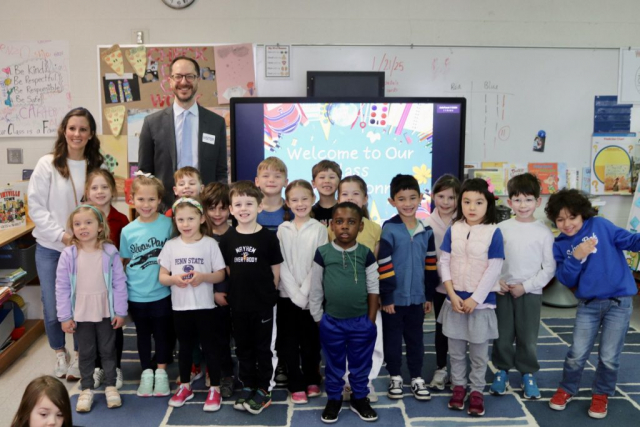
(512, 93)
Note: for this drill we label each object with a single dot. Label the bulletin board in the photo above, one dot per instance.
(153, 91)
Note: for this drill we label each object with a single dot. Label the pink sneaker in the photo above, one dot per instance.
(299, 397)
(313, 391)
(213, 401)
(182, 395)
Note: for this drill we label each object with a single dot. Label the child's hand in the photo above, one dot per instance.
(428, 306)
(179, 280)
(456, 303)
(504, 288)
(373, 319)
(516, 290)
(196, 279)
(469, 305)
(584, 249)
(389, 309)
(69, 326)
(220, 298)
(117, 322)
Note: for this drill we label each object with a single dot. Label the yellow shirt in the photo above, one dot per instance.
(369, 236)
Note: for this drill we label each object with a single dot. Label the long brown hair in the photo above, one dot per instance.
(50, 387)
(91, 151)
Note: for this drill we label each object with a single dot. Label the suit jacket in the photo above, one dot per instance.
(157, 149)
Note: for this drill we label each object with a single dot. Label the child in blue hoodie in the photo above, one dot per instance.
(408, 278)
(589, 257)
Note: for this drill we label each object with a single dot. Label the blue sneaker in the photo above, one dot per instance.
(530, 387)
(500, 383)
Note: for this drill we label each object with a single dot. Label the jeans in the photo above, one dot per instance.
(46, 264)
(611, 316)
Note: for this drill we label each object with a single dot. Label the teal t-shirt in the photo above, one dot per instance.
(142, 242)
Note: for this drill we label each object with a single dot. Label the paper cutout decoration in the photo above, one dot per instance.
(113, 58)
(137, 57)
(115, 118)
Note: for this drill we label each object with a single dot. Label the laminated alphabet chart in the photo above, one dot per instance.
(34, 87)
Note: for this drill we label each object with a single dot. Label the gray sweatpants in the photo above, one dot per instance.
(479, 358)
(95, 337)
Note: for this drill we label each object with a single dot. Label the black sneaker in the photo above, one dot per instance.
(260, 400)
(281, 378)
(245, 395)
(226, 387)
(331, 411)
(363, 408)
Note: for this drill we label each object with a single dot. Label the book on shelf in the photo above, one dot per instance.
(11, 274)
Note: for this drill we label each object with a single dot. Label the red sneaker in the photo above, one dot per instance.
(458, 398)
(182, 395)
(560, 399)
(598, 408)
(196, 373)
(313, 391)
(476, 404)
(213, 401)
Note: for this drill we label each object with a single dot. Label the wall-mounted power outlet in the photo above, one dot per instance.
(140, 36)
(14, 156)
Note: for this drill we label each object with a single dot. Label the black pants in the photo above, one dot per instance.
(406, 322)
(96, 338)
(119, 348)
(300, 344)
(194, 327)
(222, 336)
(255, 336)
(153, 319)
(441, 342)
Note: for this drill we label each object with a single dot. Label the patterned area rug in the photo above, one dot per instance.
(510, 409)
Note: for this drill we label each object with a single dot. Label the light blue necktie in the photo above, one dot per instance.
(186, 151)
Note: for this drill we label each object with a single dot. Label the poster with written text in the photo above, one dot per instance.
(34, 87)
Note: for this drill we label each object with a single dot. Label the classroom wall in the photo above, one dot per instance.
(88, 23)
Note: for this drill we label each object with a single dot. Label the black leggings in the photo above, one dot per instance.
(119, 348)
(153, 319)
(194, 327)
(441, 342)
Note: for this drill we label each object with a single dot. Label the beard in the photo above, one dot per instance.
(176, 92)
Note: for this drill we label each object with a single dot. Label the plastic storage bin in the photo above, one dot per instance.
(22, 254)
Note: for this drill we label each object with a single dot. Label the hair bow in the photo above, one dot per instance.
(491, 187)
(140, 173)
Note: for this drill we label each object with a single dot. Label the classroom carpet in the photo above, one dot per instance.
(508, 410)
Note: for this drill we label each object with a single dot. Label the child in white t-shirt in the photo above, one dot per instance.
(190, 264)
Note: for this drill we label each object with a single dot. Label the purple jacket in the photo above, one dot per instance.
(114, 277)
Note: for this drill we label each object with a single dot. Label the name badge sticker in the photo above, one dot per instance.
(209, 139)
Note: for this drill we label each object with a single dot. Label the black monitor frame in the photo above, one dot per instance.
(314, 76)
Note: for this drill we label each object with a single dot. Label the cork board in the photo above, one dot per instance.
(153, 91)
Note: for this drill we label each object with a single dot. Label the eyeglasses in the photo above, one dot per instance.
(178, 77)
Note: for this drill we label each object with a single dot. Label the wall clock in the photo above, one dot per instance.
(178, 4)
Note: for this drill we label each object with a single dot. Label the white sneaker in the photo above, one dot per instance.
(395, 390)
(98, 377)
(62, 364)
(85, 400)
(440, 379)
(73, 374)
(113, 397)
(419, 389)
(119, 379)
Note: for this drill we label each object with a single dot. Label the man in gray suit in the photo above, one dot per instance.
(184, 134)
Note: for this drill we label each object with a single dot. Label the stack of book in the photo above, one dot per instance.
(5, 294)
(9, 277)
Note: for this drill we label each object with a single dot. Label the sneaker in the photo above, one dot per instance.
(161, 386)
(331, 411)
(119, 378)
(196, 373)
(281, 378)
(395, 388)
(372, 396)
(182, 395)
(458, 397)
(500, 385)
(113, 397)
(476, 404)
(346, 393)
(419, 389)
(363, 408)
(62, 364)
(213, 401)
(85, 400)
(260, 400)
(146, 384)
(440, 379)
(245, 395)
(226, 386)
(313, 391)
(73, 374)
(598, 408)
(560, 399)
(98, 377)
(299, 397)
(530, 387)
